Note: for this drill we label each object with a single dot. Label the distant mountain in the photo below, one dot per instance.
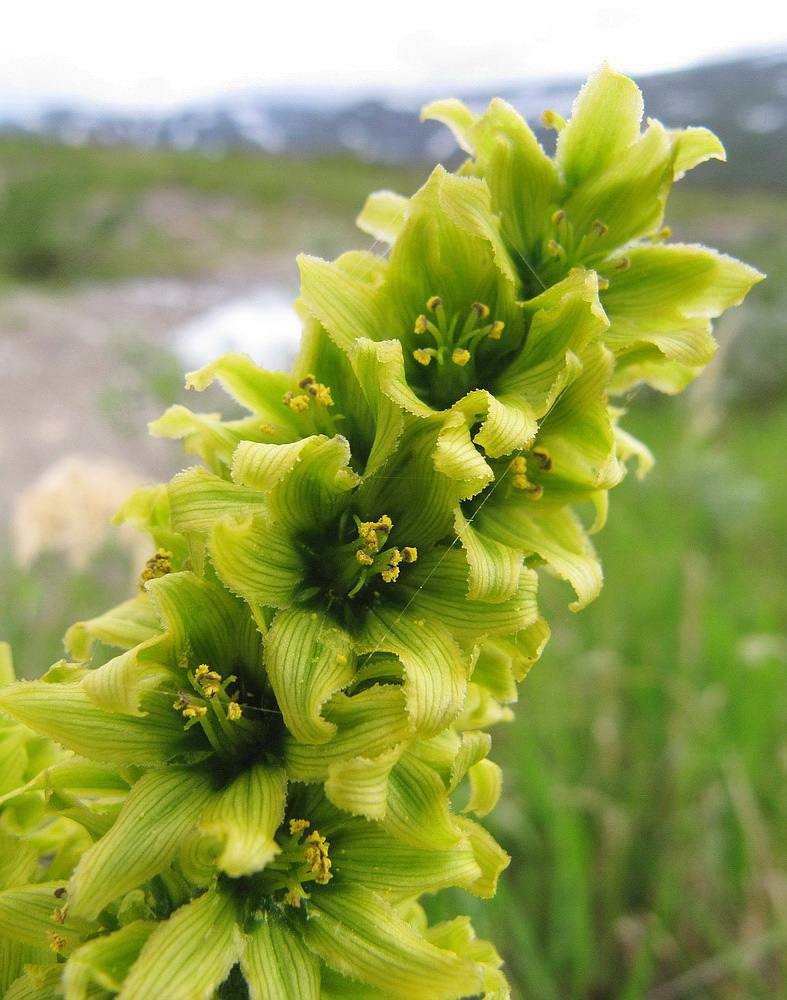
(744, 102)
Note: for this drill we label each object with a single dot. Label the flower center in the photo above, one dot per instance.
(211, 705)
(450, 342)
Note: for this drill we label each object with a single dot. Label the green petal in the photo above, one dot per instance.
(161, 809)
(244, 817)
(356, 850)
(359, 935)
(308, 658)
(124, 626)
(486, 784)
(346, 304)
(38, 983)
(489, 855)
(80, 725)
(259, 390)
(605, 121)
(693, 146)
(438, 585)
(467, 202)
(455, 455)
(257, 560)
(277, 965)
(436, 670)
(510, 422)
(495, 569)
(418, 810)
(205, 434)
(307, 482)
(383, 215)
(474, 747)
(456, 115)
(556, 535)
(368, 723)
(105, 961)
(189, 955)
(27, 915)
(360, 785)
(14, 957)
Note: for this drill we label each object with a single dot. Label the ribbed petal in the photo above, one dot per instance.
(277, 965)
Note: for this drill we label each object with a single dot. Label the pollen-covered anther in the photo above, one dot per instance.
(598, 228)
(519, 465)
(460, 356)
(306, 381)
(159, 564)
(551, 119)
(267, 429)
(368, 532)
(554, 249)
(208, 680)
(496, 329)
(603, 284)
(363, 557)
(56, 941)
(298, 403)
(420, 325)
(234, 711)
(299, 825)
(543, 459)
(320, 394)
(480, 310)
(433, 303)
(422, 357)
(409, 554)
(623, 264)
(316, 852)
(195, 711)
(293, 897)
(390, 574)
(59, 913)
(558, 217)
(535, 492)
(521, 482)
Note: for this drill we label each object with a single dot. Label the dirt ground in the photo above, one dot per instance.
(83, 370)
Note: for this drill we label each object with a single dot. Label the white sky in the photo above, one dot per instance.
(159, 52)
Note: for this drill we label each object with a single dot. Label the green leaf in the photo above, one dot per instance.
(358, 934)
(277, 965)
(308, 658)
(190, 955)
(244, 817)
(160, 811)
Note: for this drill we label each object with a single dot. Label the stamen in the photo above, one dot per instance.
(422, 357)
(496, 329)
(298, 403)
(480, 310)
(208, 680)
(306, 381)
(598, 228)
(299, 825)
(267, 429)
(603, 284)
(551, 119)
(363, 557)
(542, 456)
(56, 941)
(434, 303)
(558, 217)
(623, 264)
(409, 554)
(554, 249)
(460, 357)
(316, 854)
(157, 566)
(420, 324)
(234, 711)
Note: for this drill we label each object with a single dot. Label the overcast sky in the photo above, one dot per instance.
(159, 52)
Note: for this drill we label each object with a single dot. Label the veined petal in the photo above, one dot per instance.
(495, 569)
(355, 932)
(474, 747)
(455, 455)
(188, 956)
(605, 120)
(356, 850)
(76, 722)
(467, 202)
(456, 115)
(489, 855)
(244, 817)
(436, 669)
(346, 304)
(360, 785)
(204, 434)
(693, 146)
(438, 585)
(308, 658)
(418, 810)
(104, 962)
(383, 215)
(510, 423)
(554, 534)
(161, 809)
(367, 724)
(257, 560)
(276, 964)
(486, 784)
(14, 958)
(123, 626)
(27, 915)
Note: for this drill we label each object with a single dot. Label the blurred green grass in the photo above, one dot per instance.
(644, 804)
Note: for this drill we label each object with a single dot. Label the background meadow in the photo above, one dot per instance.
(644, 803)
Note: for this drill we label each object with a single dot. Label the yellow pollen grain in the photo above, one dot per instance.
(395, 557)
(422, 357)
(420, 324)
(234, 711)
(316, 853)
(56, 941)
(460, 357)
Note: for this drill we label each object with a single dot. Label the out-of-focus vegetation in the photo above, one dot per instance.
(644, 804)
(70, 213)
